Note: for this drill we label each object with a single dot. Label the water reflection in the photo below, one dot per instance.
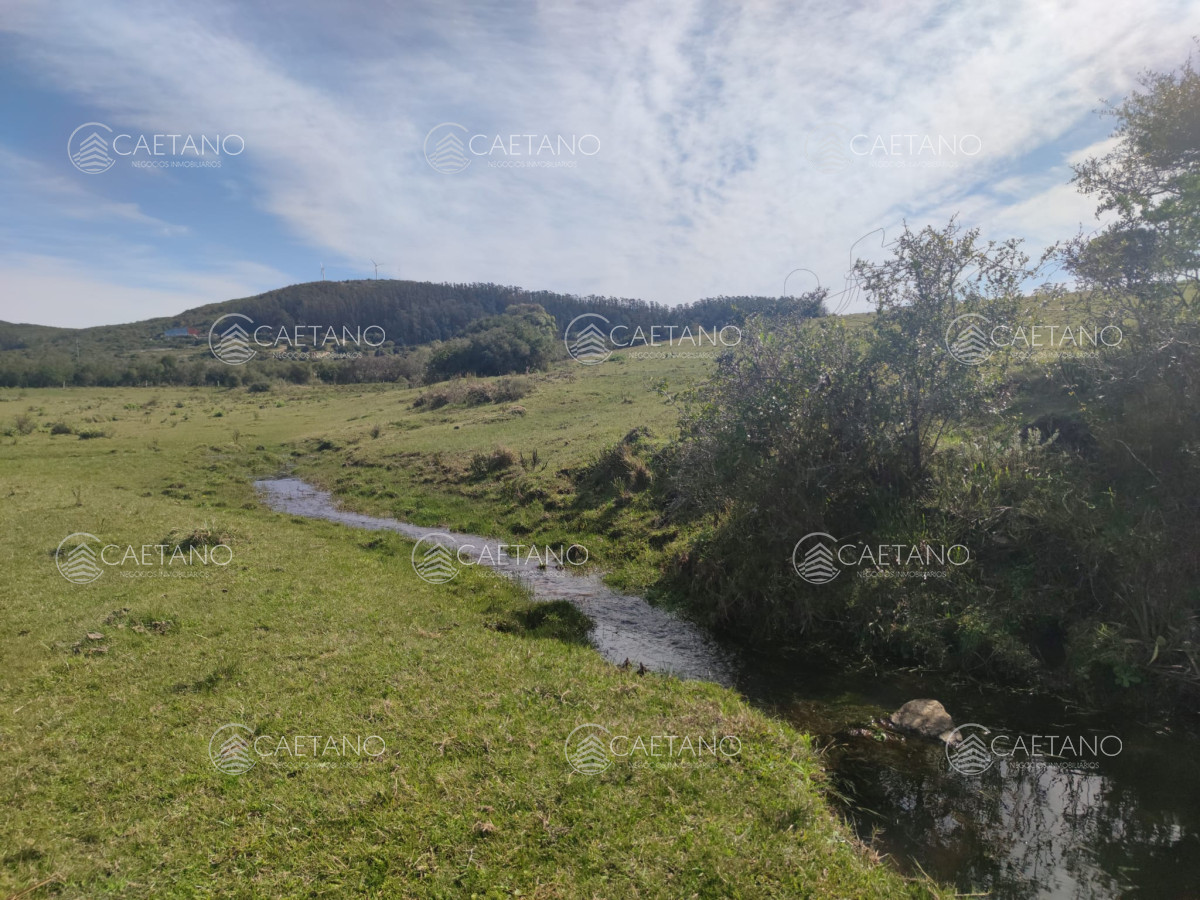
(1116, 826)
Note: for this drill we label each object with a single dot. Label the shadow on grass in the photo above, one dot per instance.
(557, 619)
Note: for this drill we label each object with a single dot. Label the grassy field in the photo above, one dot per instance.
(113, 689)
(428, 465)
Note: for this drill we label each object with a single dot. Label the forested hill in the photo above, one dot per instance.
(410, 312)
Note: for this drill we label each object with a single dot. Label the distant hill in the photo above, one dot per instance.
(411, 313)
(15, 336)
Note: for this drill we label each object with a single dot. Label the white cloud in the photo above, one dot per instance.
(50, 290)
(701, 185)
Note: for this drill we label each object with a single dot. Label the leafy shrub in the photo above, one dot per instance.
(812, 427)
(523, 339)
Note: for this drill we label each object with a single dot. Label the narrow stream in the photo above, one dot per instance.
(626, 627)
(1125, 825)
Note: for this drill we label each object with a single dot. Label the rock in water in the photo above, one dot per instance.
(924, 717)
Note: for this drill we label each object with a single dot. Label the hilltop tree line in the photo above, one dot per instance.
(433, 331)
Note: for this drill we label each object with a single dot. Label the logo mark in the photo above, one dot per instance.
(76, 558)
(231, 343)
(87, 148)
(967, 341)
(444, 148)
(229, 749)
(434, 562)
(812, 558)
(585, 749)
(826, 148)
(966, 751)
(585, 341)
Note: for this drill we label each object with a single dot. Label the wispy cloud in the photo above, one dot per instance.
(701, 186)
(31, 181)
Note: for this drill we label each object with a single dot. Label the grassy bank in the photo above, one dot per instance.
(549, 466)
(113, 689)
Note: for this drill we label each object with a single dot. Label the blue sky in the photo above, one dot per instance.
(719, 140)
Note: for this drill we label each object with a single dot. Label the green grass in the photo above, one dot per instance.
(318, 629)
(419, 467)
